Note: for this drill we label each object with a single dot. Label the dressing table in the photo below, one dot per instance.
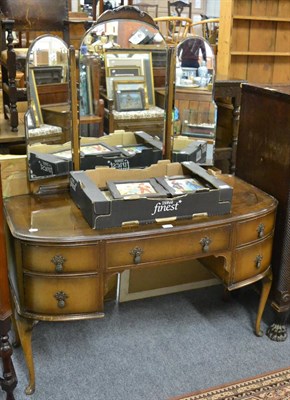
(59, 266)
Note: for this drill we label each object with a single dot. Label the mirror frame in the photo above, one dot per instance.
(33, 117)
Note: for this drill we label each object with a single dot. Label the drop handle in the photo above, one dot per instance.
(205, 242)
(261, 230)
(258, 261)
(136, 253)
(61, 299)
(58, 261)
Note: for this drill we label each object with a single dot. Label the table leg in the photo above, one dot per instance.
(266, 282)
(24, 330)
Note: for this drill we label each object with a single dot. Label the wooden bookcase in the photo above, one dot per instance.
(254, 41)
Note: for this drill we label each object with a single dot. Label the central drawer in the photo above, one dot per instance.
(168, 247)
(61, 295)
(56, 259)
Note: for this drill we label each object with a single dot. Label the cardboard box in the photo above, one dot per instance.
(199, 151)
(89, 191)
(44, 165)
(124, 158)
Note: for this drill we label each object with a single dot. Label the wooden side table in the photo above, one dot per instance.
(9, 380)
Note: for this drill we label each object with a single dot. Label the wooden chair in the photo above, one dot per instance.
(173, 29)
(151, 9)
(24, 19)
(209, 29)
(179, 8)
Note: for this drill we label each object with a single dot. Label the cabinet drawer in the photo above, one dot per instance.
(253, 259)
(168, 247)
(60, 295)
(60, 259)
(255, 229)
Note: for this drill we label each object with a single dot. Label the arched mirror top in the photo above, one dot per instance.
(195, 64)
(47, 121)
(124, 27)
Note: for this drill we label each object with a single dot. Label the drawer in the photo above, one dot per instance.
(168, 247)
(253, 259)
(61, 295)
(255, 228)
(60, 259)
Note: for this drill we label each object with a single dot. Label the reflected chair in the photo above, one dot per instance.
(151, 9)
(209, 29)
(173, 29)
(180, 8)
(23, 19)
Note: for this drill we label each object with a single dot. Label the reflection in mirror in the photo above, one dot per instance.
(195, 110)
(47, 121)
(131, 57)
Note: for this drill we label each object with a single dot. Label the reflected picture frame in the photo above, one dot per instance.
(124, 71)
(130, 189)
(30, 119)
(34, 99)
(122, 84)
(131, 58)
(129, 100)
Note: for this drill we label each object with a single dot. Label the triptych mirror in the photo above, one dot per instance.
(123, 70)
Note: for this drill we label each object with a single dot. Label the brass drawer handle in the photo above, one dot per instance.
(205, 242)
(61, 298)
(258, 261)
(58, 261)
(136, 253)
(261, 230)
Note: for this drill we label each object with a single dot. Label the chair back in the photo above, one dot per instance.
(151, 9)
(179, 8)
(173, 29)
(209, 29)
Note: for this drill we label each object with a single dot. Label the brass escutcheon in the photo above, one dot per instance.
(205, 242)
(58, 261)
(258, 261)
(61, 298)
(136, 253)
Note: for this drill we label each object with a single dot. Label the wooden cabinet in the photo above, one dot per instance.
(263, 159)
(254, 41)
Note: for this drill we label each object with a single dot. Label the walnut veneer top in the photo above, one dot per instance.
(55, 218)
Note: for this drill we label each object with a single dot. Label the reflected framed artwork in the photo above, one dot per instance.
(129, 100)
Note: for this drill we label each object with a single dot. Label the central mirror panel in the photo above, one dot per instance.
(48, 119)
(123, 60)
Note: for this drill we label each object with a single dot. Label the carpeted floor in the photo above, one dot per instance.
(274, 386)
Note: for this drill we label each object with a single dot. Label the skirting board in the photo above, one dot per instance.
(125, 295)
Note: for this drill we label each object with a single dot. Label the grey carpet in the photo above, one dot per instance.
(152, 349)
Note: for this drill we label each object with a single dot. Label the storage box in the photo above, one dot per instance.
(90, 193)
(45, 165)
(147, 151)
(186, 149)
